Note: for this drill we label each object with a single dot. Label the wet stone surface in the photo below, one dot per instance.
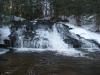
(47, 63)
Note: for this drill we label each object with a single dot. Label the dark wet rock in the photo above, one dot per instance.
(12, 40)
(62, 20)
(67, 27)
(16, 24)
(3, 46)
(29, 25)
(46, 23)
(74, 42)
(66, 20)
(95, 42)
(7, 42)
(28, 34)
(21, 23)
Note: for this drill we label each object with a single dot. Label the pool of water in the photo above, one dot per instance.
(48, 63)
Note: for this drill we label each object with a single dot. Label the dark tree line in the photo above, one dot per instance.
(32, 9)
(60, 7)
(78, 8)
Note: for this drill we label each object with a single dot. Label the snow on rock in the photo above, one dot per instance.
(4, 32)
(91, 27)
(84, 33)
(15, 18)
(87, 22)
(72, 20)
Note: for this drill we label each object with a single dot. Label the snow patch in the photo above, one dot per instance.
(4, 33)
(84, 33)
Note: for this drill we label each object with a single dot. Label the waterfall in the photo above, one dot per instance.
(88, 45)
(54, 37)
(56, 40)
(41, 40)
(45, 39)
(21, 40)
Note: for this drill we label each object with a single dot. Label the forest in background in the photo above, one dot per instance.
(34, 9)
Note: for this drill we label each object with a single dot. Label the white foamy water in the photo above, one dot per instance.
(60, 46)
(56, 40)
(52, 39)
(47, 40)
(3, 51)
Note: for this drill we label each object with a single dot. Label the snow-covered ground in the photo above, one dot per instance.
(16, 18)
(87, 22)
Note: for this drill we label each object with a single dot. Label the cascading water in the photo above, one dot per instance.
(41, 40)
(56, 40)
(88, 45)
(45, 38)
(45, 35)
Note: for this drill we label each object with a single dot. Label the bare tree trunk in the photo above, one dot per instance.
(78, 20)
(98, 23)
(51, 11)
(1, 19)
